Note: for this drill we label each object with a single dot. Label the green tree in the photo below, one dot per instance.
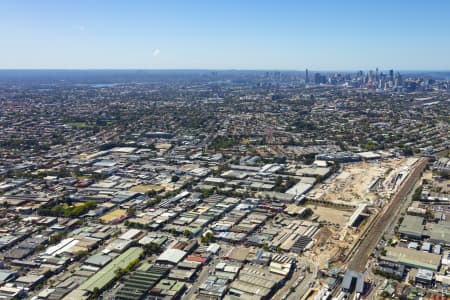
(152, 248)
(417, 196)
(207, 238)
(187, 233)
(407, 151)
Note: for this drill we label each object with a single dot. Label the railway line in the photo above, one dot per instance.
(387, 215)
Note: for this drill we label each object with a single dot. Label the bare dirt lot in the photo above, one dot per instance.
(330, 214)
(351, 185)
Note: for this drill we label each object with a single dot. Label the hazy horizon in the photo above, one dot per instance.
(228, 70)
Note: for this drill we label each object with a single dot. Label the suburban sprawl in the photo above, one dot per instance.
(155, 185)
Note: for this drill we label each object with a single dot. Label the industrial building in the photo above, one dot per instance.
(412, 227)
(353, 281)
(140, 282)
(424, 277)
(412, 258)
(106, 275)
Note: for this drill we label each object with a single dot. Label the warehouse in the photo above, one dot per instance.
(256, 281)
(130, 234)
(301, 244)
(300, 188)
(171, 256)
(140, 282)
(7, 275)
(440, 233)
(239, 254)
(98, 260)
(213, 288)
(369, 155)
(424, 277)
(313, 171)
(182, 274)
(106, 275)
(412, 258)
(341, 157)
(412, 227)
(168, 289)
(296, 234)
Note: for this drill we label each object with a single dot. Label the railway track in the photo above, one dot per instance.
(390, 211)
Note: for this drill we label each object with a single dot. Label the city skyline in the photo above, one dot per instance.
(263, 35)
(224, 150)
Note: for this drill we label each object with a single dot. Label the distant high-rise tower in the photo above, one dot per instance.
(318, 78)
(370, 76)
(306, 76)
(397, 79)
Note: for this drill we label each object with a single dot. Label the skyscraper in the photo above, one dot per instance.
(306, 76)
(318, 78)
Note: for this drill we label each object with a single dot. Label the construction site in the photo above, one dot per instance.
(362, 182)
(360, 188)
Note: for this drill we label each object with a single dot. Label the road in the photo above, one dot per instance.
(303, 287)
(309, 277)
(390, 211)
(375, 283)
(204, 273)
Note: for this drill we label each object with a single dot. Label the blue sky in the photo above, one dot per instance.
(225, 34)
